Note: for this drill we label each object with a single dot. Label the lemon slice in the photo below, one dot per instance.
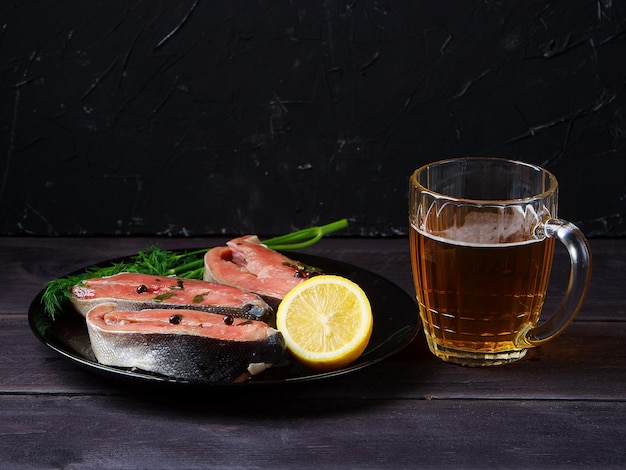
(326, 322)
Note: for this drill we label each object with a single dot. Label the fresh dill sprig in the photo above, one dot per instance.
(57, 291)
(156, 261)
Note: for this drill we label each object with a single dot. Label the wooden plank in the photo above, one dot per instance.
(140, 432)
(562, 406)
(587, 362)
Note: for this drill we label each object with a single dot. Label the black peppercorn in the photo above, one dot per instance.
(142, 289)
(176, 319)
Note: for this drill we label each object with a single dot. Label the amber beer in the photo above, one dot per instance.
(482, 233)
(477, 296)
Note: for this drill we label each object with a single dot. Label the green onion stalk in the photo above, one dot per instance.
(187, 265)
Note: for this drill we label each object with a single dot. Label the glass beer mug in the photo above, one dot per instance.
(482, 234)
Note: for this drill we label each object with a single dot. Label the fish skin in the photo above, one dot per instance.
(248, 264)
(174, 293)
(201, 348)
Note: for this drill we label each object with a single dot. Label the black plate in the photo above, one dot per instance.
(396, 322)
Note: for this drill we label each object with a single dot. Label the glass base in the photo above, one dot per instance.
(474, 358)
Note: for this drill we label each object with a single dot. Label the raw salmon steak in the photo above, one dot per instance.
(184, 344)
(132, 291)
(248, 264)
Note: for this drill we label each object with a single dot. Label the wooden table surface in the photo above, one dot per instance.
(562, 406)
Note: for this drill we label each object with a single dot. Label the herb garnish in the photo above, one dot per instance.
(179, 285)
(164, 296)
(199, 298)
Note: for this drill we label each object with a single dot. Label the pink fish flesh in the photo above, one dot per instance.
(184, 344)
(248, 264)
(132, 291)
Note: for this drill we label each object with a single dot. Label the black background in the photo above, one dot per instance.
(190, 117)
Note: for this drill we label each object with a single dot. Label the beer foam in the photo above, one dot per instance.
(491, 226)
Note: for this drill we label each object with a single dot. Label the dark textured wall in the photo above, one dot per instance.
(194, 117)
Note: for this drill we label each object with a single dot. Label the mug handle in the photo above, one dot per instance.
(579, 278)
